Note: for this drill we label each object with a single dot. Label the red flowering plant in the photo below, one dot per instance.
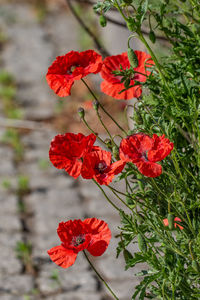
(157, 158)
(90, 234)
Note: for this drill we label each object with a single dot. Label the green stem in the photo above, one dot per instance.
(120, 10)
(106, 129)
(113, 190)
(86, 124)
(106, 195)
(105, 111)
(100, 277)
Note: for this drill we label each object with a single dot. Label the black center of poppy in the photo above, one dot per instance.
(78, 240)
(144, 155)
(102, 166)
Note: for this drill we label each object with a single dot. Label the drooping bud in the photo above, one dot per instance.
(81, 112)
(95, 105)
(102, 21)
(152, 36)
(132, 57)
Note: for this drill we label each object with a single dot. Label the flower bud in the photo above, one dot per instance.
(102, 21)
(132, 57)
(152, 36)
(81, 112)
(95, 105)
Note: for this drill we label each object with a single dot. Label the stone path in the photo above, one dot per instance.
(32, 217)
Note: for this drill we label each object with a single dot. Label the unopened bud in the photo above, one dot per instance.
(95, 105)
(81, 112)
(102, 21)
(152, 36)
(115, 152)
(132, 57)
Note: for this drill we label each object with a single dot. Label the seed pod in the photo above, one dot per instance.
(142, 243)
(81, 112)
(132, 57)
(195, 266)
(170, 218)
(102, 21)
(95, 105)
(152, 36)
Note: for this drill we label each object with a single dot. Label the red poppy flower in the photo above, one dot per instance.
(166, 223)
(144, 152)
(67, 149)
(91, 234)
(98, 164)
(72, 66)
(112, 84)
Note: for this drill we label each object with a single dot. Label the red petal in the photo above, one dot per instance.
(60, 76)
(60, 84)
(100, 236)
(166, 222)
(112, 63)
(92, 159)
(149, 169)
(67, 149)
(161, 148)
(175, 224)
(62, 257)
(114, 89)
(133, 147)
(66, 230)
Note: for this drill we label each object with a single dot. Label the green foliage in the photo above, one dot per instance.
(170, 106)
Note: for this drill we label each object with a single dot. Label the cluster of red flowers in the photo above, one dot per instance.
(74, 66)
(76, 154)
(91, 234)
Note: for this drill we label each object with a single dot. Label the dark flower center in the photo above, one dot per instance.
(72, 68)
(78, 240)
(101, 167)
(144, 155)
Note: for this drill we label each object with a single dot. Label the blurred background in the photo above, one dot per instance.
(35, 196)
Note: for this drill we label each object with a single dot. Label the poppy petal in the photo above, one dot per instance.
(149, 169)
(113, 90)
(100, 236)
(62, 257)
